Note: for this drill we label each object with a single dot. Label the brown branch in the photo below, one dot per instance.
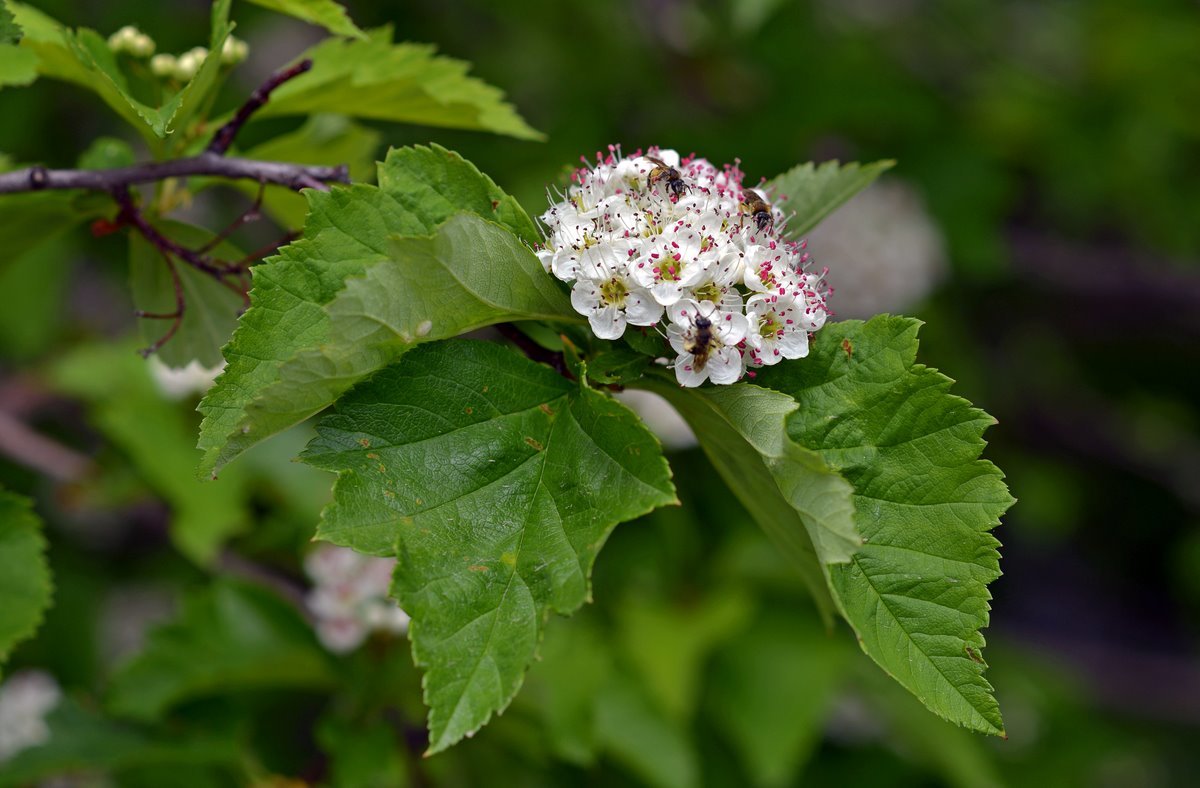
(224, 136)
(293, 176)
(32, 449)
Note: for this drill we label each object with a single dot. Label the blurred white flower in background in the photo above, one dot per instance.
(127, 614)
(662, 419)
(25, 700)
(883, 251)
(349, 597)
(183, 381)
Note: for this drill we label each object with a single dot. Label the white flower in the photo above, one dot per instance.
(349, 597)
(644, 235)
(706, 337)
(662, 419)
(180, 382)
(885, 250)
(25, 700)
(777, 329)
(607, 296)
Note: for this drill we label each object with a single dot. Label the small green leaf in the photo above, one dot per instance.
(495, 481)
(106, 153)
(82, 741)
(326, 13)
(813, 192)
(210, 309)
(25, 585)
(800, 503)
(292, 320)
(916, 592)
(229, 638)
(18, 65)
(618, 365)
(408, 83)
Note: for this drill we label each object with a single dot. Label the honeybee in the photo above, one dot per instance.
(664, 172)
(758, 209)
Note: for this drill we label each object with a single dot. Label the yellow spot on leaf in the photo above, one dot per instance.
(534, 444)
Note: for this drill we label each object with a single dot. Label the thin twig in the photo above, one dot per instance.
(251, 214)
(33, 450)
(224, 136)
(176, 317)
(293, 176)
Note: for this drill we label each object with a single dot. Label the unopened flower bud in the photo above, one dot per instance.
(163, 65)
(189, 63)
(234, 51)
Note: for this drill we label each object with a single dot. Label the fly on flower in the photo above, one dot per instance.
(655, 239)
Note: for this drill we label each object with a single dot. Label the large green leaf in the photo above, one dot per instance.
(409, 83)
(25, 585)
(229, 638)
(326, 13)
(495, 481)
(350, 230)
(210, 308)
(83, 741)
(813, 192)
(916, 592)
(801, 504)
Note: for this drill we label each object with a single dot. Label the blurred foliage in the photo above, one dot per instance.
(1056, 145)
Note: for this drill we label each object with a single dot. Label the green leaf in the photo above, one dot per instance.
(408, 83)
(18, 65)
(916, 592)
(33, 287)
(33, 218)
(25, 585)
(83, 741)
(106, 153)
(362, 756)
(326, 13)
(210, 309)
(322, 140)
(495, 481)
(84, 58)
(668, 645)
(771, 689)
(156, 435)
(275, 377)
(648, 743)
(803, 505)
(10, 31)
(813, 192)
(229, 638)
(573, 665)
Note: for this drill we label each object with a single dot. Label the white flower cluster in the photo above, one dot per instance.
(349, 597)
(653, 238)
(183, 67)
(25, 700)
(132, 41)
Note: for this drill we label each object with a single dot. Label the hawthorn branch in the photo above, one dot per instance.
(212, 162)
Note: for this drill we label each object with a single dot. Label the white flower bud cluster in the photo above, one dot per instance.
(349, 597)
(183, 68)
(25, 700)
(656, 240)
(132, 41)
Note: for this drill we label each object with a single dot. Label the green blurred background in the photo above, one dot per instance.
(1054, 147)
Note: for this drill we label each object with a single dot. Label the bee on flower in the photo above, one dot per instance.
(677, 243)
